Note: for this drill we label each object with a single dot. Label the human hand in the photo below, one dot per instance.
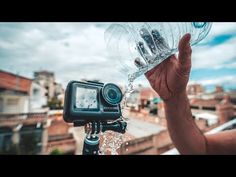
(170, 78)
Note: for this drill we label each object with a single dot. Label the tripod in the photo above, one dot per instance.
(92, 130)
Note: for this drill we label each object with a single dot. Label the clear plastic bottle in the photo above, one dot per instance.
(139, 47)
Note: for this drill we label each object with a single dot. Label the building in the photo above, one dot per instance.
(47, 80)
(142, 98)
(146, 138)
(133, 101)
(218, 89)
(210, 119)
(147, 95)
(225, 110)
(195, 89)
(23, 136)
(206, 104)
(59, 92)
(38, 100)
(19, 94)
(14, 93)
(54, 91)
(59, 137)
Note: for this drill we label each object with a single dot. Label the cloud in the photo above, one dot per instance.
(228, 82)
(214, 56)
(72, 51)
(222, 28)
(77, 50)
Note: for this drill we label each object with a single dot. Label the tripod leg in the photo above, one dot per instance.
(91, 145)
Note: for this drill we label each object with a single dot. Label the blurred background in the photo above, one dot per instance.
(37, 60)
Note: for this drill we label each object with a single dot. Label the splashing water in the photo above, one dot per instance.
(111, 142)
(128, 91)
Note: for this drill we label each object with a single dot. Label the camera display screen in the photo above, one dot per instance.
(86, 98)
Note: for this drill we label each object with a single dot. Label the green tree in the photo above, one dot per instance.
(56, 152)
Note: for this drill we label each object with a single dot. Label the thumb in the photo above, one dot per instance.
(185, 51)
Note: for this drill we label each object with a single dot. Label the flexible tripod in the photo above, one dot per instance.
(92, 130)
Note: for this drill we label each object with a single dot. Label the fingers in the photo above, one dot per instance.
(147, 37)
(185, 51)
(139, 63)
(159, 41)
(142, 51)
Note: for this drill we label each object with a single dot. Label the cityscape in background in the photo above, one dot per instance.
(31, 119)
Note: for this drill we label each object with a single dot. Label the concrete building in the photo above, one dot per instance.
(22, 136)
(38, 100)
(142, 98)
(54, 90)
(47, 80)
(195, 89)
(59, 137)
(225, 110)
(146, 138)
(210, 119)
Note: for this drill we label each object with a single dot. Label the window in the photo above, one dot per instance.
(35, 91)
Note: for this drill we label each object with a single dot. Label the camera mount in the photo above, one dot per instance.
(92, 130)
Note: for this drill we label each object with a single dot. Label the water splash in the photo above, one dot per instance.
(111, 142)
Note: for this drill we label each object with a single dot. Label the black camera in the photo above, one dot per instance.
(91, 101)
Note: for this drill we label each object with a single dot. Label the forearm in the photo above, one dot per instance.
(184, 133)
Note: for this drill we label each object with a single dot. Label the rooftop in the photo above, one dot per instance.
(138, 128)
(207, 116)
(10, 81)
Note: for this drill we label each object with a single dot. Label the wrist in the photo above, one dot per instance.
(178, 107)
(176, 99)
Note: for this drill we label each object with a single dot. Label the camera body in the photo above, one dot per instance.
(91, 101)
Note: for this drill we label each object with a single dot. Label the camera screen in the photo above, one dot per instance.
(86, 98)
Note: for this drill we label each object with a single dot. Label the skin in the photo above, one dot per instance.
(169, 80)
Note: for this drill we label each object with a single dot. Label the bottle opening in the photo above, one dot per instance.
(199, 24)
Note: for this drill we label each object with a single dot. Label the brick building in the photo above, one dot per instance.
(195, 89)
(19, 94)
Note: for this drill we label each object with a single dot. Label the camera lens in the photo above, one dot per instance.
(112, 94)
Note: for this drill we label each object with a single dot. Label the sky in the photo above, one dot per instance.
(75, 51)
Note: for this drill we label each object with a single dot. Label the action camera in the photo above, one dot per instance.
(91, 101)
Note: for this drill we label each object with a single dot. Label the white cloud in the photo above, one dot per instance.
(219, 28)
(214, 56)
(77, 50)
(216, 81)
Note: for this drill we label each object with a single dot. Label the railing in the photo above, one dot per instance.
(226, 126)
(12, 120)
(23, 115)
